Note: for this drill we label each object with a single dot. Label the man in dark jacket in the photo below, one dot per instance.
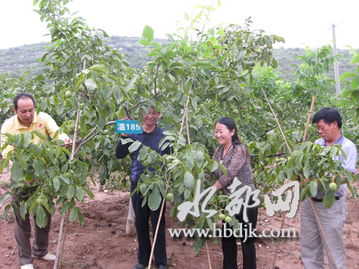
(150, 137)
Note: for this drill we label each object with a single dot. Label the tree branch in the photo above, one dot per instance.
(91, 135)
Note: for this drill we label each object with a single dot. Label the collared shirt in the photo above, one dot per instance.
(348, 163)
(42, 122)
(151, 140)
(237, 163)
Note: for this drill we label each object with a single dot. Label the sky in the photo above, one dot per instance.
(305, 23)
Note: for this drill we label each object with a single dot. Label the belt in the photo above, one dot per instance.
(321, 200)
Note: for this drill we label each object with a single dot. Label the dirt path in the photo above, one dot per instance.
(102, 243)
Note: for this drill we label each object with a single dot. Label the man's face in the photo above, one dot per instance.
(151, 118)
(25, 111)
(328, 131)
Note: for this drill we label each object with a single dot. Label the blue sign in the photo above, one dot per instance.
(128, 127)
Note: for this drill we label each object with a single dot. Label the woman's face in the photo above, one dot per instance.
(223, 134)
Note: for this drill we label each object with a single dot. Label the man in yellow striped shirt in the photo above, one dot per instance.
(27, 120)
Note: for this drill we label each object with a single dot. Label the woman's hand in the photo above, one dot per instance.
(218, 186)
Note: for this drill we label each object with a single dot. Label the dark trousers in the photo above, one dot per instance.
(143, 214)
(23, 234)
(229, 244)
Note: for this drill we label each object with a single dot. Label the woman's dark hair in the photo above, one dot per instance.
(328, 115)
(23, 95)
(231, 125)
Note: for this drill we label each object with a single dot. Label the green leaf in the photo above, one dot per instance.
(130, 84)
(355, 59)
(80, 194)
(80, 217)
(73, 214)
(27, 139)
(328, 198)
(4, 198)
(39, 168)
(43, 202)
(188, 180)
(154, 199)
(199, 157)
(152, 157)
(90, 85)
(89, 192)
(56, 183)
(39, 134)
(147, 33)
(16, 171)
(347, 75)
(355, 83)
(134, 146)
(70, 192)
(169, 133)
(60, 108)
(41, 217)
(23, 210)
(144, 42)
(213, 165)
(101, 122)
(3, 164)
(198, 244)
(65, 207)
(65, 179)
(349, 93)
(98, 68)
(313, 186)
(306, 172)
(116, 90)
(304, 192)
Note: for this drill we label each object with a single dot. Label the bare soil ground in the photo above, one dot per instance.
(102, 242)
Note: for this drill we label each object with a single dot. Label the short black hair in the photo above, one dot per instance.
(23, 95)
(328, 115)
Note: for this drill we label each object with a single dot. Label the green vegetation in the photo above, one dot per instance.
(86, 83)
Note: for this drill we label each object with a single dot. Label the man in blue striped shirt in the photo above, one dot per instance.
(328, 122)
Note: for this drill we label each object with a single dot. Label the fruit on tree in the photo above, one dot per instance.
(221, 216)
(333, 186)
(227, 219)
(169, 197)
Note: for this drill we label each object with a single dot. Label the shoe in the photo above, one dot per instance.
(138, 266)
(27, 266)
(47, 257)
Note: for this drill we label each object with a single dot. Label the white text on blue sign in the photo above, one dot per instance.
(128, 127)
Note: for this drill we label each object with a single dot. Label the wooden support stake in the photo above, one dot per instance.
(208, 257)
(65, 219)
(156, 233)
(61, 240)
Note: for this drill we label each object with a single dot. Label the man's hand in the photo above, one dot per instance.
(68, 143)
(125, 118)
(30, 181)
